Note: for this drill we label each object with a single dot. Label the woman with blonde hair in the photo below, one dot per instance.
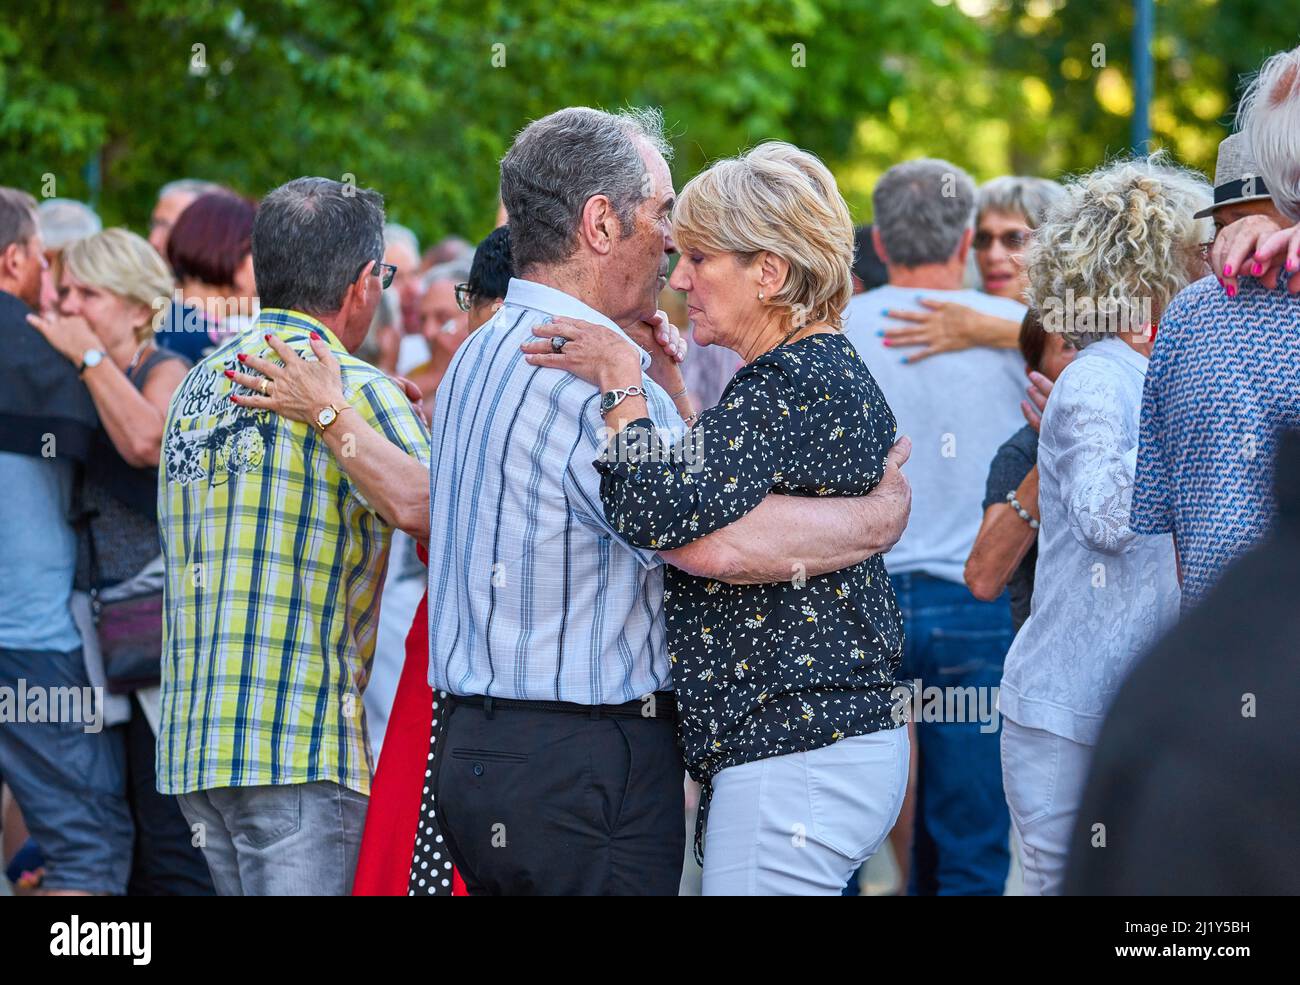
(111, 287)
(785, 691)
(1103, 266)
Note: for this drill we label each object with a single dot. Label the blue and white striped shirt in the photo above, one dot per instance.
(532, 595)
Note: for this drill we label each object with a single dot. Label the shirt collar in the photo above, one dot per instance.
(530, 294)
(282, 321)
(1124, 353)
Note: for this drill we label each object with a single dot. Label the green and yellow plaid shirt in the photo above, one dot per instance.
(275, 563)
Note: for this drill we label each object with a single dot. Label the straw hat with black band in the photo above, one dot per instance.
(1236, 176)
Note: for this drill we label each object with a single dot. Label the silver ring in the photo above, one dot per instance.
(558, 343)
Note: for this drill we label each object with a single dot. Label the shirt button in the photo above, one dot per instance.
(478, 769)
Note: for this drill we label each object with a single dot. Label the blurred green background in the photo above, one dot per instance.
(420, 98)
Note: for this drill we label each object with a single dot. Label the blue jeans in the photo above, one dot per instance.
(954, 641)
(68, 776)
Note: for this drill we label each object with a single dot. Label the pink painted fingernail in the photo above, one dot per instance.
(1290, 263)
(267, 336)
(233, 400)
(1227, 270)
(886, 342)
(230, 374)
(1232, 291)
(242, 357)
(316, 336)
(1256, 269)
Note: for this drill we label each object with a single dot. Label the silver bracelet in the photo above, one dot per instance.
(1021, 511)
(679, 393)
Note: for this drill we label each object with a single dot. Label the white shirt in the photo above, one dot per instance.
(532, 594)
(1102, 594)
(958, 408)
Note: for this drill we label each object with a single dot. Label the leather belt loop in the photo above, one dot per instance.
(487, 707)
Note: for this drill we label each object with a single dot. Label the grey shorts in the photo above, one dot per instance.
(293, 839)
(70, 783)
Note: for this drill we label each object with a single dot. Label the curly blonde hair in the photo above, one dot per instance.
(1122, 241)
(782, 200)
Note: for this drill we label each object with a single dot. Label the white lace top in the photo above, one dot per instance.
(1102, 594)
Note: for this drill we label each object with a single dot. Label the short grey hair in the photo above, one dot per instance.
(63, 220)
(1017, 194)
(311, 238)
(1270, 117)
(194, 187)
(559, 162)
(922, 207)
(17, 217)
(456, 271)
(395, 234)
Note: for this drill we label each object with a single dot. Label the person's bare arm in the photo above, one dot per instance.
(786, 537)
(393, 482)
(948, 327)
(1003, 541)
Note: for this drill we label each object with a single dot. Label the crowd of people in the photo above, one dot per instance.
(503, 569)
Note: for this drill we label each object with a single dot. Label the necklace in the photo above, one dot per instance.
(792, 333)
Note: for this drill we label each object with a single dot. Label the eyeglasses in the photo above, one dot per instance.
(464, 297)
(1012, 241)
(384, 271)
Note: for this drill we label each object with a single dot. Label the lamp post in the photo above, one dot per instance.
(1143, 72)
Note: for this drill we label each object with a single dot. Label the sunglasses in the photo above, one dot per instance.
(384, 271)
(464, 297)
(1013, 241)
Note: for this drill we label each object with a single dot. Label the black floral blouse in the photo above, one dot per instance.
(763, 670)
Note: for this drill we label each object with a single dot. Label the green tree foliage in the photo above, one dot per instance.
(420, 98)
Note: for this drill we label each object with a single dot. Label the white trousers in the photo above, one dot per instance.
(1043, 776)
(801, 824)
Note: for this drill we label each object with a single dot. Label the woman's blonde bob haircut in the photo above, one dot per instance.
(782, 200)
(120, 262)
(1122, 240)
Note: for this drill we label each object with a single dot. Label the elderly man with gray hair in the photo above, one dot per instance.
(554, 764)
(957, 409)
(1224, 377)
(1007, 211)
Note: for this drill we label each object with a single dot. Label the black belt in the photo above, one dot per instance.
(661, 704)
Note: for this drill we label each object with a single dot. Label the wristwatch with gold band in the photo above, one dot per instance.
(328, 415)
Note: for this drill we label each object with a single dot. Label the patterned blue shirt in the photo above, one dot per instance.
(1224, 378)
(532, 595)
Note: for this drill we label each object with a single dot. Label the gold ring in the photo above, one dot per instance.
(264, 386)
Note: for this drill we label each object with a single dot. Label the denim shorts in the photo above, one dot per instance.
(70, 783)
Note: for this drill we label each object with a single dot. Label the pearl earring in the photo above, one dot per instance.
(760, 295)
